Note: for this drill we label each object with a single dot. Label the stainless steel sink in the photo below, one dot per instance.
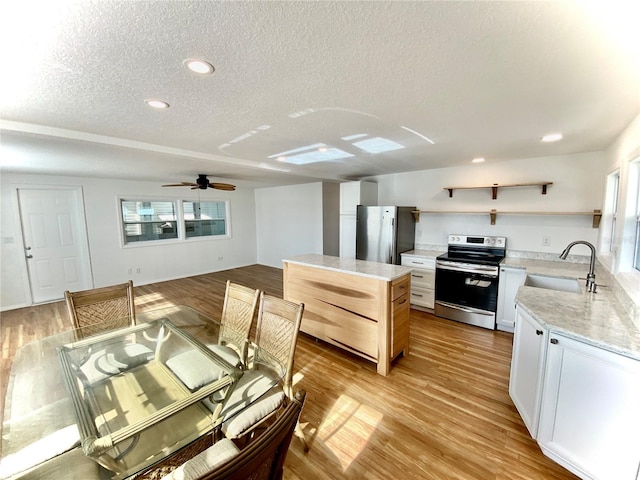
(553, 283)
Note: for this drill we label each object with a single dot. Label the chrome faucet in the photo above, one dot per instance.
(591, 276)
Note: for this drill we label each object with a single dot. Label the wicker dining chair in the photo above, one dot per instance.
(262, 459)
(238, 312)
(276, 338)
(101, 309)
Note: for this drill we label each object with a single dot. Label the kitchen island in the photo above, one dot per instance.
(359, 306)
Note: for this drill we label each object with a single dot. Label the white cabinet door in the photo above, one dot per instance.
(348, 236)
(527, 368)
(510, 281)
(590, 415)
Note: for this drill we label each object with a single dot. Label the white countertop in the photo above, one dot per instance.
(382, 271)
(425, 253)
(594, 318)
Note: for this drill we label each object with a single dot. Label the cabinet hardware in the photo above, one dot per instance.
(554, 341)
(29, 256)
(418, 276)
(417, 294)
(539, 332)
(403, 301)
(418, 263)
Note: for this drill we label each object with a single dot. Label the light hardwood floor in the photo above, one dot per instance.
(443, 412)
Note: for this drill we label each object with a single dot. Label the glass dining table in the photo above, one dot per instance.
(112, 405)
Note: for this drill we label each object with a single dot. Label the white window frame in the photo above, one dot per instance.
(611, 211)
(123, 222)
(178, 206)
(227, 220)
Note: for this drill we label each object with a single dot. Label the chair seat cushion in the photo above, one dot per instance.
(114, 359)
(194, 369)
(239, 424)
(214, 456)
(227, 353)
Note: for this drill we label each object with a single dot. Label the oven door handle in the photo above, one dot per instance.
(466, 268)
(465, 309)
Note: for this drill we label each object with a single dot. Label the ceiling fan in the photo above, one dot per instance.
(202, 182)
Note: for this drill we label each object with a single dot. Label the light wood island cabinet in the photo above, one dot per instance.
(362, 307)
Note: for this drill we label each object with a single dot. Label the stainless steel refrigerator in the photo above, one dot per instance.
(383, 233)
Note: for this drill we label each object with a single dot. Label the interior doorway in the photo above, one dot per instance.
(55, 241)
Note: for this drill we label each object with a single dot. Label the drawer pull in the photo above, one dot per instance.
(539, 332)
(417, 295)
(403, 301)
(554, 341)
(418, 263)
(418, 276)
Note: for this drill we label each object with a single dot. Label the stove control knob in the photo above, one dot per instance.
(499, 241)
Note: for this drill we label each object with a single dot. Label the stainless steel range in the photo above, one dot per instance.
(467, 279)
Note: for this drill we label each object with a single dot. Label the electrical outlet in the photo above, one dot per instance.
(546, 241)
(130, 271)
(220, 258)
(138, 270)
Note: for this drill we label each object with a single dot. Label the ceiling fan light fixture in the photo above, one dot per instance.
(199, 66)
(155, 103)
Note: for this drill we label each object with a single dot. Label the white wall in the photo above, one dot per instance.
(289, 221)
(577, 186)
(110, 261)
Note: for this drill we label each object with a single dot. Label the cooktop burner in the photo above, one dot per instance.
(475, 249)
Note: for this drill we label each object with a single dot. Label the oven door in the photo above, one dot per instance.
(467, 292)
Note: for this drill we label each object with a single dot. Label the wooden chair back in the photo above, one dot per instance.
(101, 309)
(277, 333)
(264, 457)
(238, 311)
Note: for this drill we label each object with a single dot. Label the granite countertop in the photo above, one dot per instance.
(594, 318)
(382, 271)
(425, 253)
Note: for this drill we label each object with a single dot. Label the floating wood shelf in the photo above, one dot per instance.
(495, 186)
(597, 214)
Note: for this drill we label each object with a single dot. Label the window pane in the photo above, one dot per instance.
(205, 218)
(146, 221)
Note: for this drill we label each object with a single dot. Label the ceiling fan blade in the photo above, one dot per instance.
(181, 184)
(222, 186)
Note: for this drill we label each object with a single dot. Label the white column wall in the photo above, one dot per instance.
(289, 221)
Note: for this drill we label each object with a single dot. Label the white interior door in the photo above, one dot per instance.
(55, 242)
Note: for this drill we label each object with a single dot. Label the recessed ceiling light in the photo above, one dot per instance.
(156, 103)
(552, 137)
(199, 66)
(477, 160)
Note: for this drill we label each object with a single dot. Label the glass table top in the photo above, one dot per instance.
(126, 398)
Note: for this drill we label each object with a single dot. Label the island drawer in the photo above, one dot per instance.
(400, 287)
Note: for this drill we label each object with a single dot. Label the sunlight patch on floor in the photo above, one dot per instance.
(156, 299)
(347, 429)
(297, 378)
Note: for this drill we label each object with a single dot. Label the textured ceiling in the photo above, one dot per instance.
(475, 78)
